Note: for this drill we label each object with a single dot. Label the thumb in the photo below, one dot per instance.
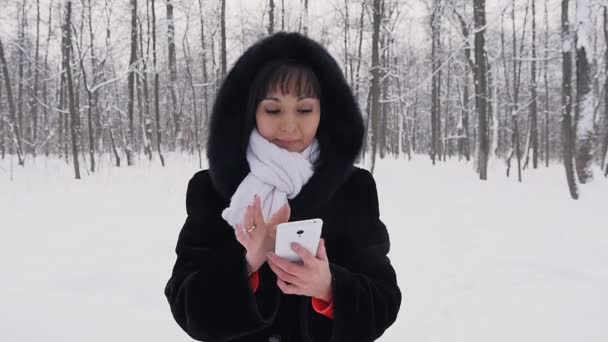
(321, 252)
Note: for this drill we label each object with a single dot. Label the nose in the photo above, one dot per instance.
(288, 123)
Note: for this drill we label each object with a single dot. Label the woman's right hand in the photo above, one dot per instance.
(262, 239)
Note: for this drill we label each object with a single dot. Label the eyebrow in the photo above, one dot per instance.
(299, 98)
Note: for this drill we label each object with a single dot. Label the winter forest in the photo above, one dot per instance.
(519, 83)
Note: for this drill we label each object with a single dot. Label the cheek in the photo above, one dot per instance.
(312, 126)
(264, 126)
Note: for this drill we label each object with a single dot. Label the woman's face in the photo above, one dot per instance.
(288, 121)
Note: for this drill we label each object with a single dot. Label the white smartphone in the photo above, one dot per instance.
(307, 233)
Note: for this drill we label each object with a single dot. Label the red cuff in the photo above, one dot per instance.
(254, 281)
(324, 308)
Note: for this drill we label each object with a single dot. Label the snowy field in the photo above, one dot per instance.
(477, 261)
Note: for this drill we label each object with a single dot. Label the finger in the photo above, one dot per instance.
(286, 277)
(286, 265)
(247, 217)
(241, 236)
(303, 253)
(258, 218)
(288, 289)
(321, 252)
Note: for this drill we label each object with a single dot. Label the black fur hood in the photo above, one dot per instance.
(340, 132)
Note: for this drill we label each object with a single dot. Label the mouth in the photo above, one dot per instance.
(287, 143)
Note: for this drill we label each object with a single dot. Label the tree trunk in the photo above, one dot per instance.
(34, 99)
(47, 128)
(87, 88)
(547, 151)
(358, 81)
(374, 113)
(383, 108)
(67, 48)
(12, 124)
(21, 35)
(186, 47)
(147, 121)
(435, 81)
(481, 84)
(305, 18)
(91, 97)
(223, 37)
(177, 117)
(345, 31)
(156, 86)
(584, 94)
(205, 76)
(131, 83)
(604, 148)
(2, 143)
(270, 17)
(464, 142)
(566, 129)
(533, 108)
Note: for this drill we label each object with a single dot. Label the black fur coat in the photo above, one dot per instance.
(209, 292)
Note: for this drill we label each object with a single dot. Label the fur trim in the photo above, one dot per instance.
(340, 132)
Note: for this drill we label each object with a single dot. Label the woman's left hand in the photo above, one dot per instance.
(312, 279)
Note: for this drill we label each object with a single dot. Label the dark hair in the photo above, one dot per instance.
(289, 76)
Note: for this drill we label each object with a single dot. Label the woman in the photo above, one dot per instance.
(286, 128)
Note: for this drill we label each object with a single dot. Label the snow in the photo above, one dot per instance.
(477, 261)
(584, 127)
(584, 31)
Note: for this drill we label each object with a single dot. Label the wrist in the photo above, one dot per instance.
(327, 294)
(252, 264)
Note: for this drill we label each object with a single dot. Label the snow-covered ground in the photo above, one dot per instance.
(477, 261)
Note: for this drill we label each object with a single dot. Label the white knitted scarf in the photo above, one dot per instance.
(276, 175)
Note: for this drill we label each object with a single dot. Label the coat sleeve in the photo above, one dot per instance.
(366, 296)
(209, 292)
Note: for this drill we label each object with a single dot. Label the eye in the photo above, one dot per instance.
(305, 110)
(272, 111)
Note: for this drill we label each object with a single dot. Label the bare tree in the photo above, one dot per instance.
(156, 86)
(177, 116)
(270, 16)
(131, 83)
(566, 129)
(67, 69)
(604, 148)
(12, 122)
(481, 84)
(517, 62)
(359, 51)
(546, 67)
(346, 32)
(584, 94)
(2, 142)
(186, 48)
(206, 82)
(435, 81)
(20, 77)
(34, 99)
(145, 119)
(533, 129)
(463, 125)
(282, 15)
(223, 37)
(304, 18)
(374, 112)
